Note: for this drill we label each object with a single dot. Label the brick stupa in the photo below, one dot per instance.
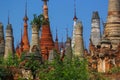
(46, 41)
(25, 40)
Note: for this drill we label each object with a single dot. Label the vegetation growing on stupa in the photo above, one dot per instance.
(39, 20)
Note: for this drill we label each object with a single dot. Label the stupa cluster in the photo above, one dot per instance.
(104, 50)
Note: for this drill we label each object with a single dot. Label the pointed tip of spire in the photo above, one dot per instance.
(21, 33)
(67, 32)
(45, 0)
(95, 15)
(26, 8)
(26, 18)
(75, 17)
(56, 36)
(8, 18)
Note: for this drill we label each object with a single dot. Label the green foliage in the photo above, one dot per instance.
(45, 22)
(32, 65)
(115, 70)
(4, 71)
(58, 70)
(39, 20)
(12, 60)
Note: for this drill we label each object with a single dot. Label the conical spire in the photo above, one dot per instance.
(95, 15)
(56, 42)
(25, 18)
(75, 17)
(95, 28)
(56, 36)
(66, 33)
(25, 39)
(45, 1)
(8, 18)
(45, 9)
(46, 41)
(9, 41)
(62, 46)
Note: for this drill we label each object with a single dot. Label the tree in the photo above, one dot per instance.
(12, 61)
(58, 70)
(5, 73)
(33, 65)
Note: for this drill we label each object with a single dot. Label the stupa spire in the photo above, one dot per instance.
(45, 9)
(46, 41)
(25, 39)
(9, 40)
(75, 17)
(25, 18)
(56, 42)
(56, 36)
(26, 8)
(8, 18)
(66, 32)
(95, 28)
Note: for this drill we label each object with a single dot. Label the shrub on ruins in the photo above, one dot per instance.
(65, 70)
(12, 60)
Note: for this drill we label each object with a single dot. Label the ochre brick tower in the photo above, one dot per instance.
(112, 27)
(46, 41)
(25, 39)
